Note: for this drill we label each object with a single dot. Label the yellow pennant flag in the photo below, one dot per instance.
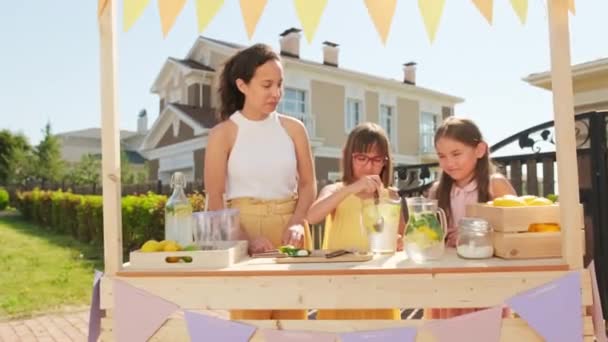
(101, 6)
(169, 10)
(205, 11)
(381, 12)
(431, 11)
(521, 9)
(571, 6)
(252, 11)
(131, 11)
(486, 8)
(309, 12)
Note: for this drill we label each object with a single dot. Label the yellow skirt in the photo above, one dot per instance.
(267, 218)
(354, 314)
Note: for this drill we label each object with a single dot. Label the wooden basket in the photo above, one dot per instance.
(224, 254)
(511, 237)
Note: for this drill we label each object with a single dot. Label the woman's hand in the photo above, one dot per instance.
(260, 245)
(294, 235)
(367, 184)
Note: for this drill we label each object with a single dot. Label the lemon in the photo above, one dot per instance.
(528, 198)
(509, 201)
(172, 247)
(163, 243)
(543, 227)
(150, 246)
(540, 201)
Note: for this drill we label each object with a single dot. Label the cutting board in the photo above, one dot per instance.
(322, 259)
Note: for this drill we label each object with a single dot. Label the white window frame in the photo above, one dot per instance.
(427, 136)
(304, 102)
(349, 122)
(392, 133)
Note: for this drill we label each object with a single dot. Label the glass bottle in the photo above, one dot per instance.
(474, 239)
(178, 213)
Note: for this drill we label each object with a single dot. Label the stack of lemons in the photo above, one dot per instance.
(529, 201)
(168, 246)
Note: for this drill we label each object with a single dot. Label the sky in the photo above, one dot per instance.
(49, 65)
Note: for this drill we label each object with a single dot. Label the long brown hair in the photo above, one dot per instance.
(241, 65)
(466, 132)
(362, 139)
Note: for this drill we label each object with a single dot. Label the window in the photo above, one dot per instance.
(353, 114)
(387, 121)
(428, 126)
(294, 103)
(199, 95)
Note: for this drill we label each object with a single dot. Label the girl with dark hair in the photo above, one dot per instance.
(260, 161)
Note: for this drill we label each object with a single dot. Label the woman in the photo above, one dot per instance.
(260, 161)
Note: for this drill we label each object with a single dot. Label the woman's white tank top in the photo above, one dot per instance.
(262, 163)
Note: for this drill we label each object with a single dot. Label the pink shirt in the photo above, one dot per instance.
(459, 199)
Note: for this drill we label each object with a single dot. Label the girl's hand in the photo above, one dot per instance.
(367, 184)
(260, 245)
(294, 235)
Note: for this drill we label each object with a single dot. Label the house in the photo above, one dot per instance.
(589, 83)
(328, 99)
(75, 144)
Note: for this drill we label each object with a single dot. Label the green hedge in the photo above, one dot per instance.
(82, 216)
(3, 199)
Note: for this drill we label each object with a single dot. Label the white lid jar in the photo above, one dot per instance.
(474, 239)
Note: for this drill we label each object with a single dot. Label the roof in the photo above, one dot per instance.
(543, 79)
(206, 117)
(94, 133)
(192, 64)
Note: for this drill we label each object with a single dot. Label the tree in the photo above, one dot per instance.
(14, 153)
(87, 171)
(49, 165)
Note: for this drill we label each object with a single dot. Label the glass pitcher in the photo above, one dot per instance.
(426, 230)
(382, 234)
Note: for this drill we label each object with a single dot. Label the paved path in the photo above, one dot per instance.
(55, 327)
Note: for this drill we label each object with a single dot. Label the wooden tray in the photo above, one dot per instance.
(225, 254)
(322, 259)
(527, 245)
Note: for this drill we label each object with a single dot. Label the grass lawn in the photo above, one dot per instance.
(42, 271)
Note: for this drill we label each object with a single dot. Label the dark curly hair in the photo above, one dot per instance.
(241, 65)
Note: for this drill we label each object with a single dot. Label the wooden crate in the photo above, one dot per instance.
(527, 245)
(225, 254)
(514, 219)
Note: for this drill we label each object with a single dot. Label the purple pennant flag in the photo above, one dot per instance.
(95, 310)
(597, 314)
(297, 336)
(478, 326)
(405, 334)
(138, 314)
(208, 328)
(554, 310)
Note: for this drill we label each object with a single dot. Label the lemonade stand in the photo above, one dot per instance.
(387, 281)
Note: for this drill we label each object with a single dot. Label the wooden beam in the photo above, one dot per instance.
(110, 141)
(563, 109)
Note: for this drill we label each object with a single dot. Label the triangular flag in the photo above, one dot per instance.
(431, 11)
(131, 11)
(486, 7)
(479, 326)
(571, 6)
(521, 9)
(205, 11)
(208, 328)
(95, 310)
(168, 11)
(138, 314)
(407, 334)
(381, 12)
(101, 6)
(554, 310)
(271, 335)
(252, 11)
(598, 316)
(309, 12)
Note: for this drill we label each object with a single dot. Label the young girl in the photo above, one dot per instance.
(367, 169)
(260, 161)
(467, 177)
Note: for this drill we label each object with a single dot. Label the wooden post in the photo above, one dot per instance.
(563, 106)
(110, 142)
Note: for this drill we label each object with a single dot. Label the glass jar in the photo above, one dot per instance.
(474, 239)
(178, 213)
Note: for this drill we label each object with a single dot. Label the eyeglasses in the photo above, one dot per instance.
(364, 159)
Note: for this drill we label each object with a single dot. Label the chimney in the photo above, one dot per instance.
(290, 42)
(409, 73)
(330, 53)
(142, 122)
